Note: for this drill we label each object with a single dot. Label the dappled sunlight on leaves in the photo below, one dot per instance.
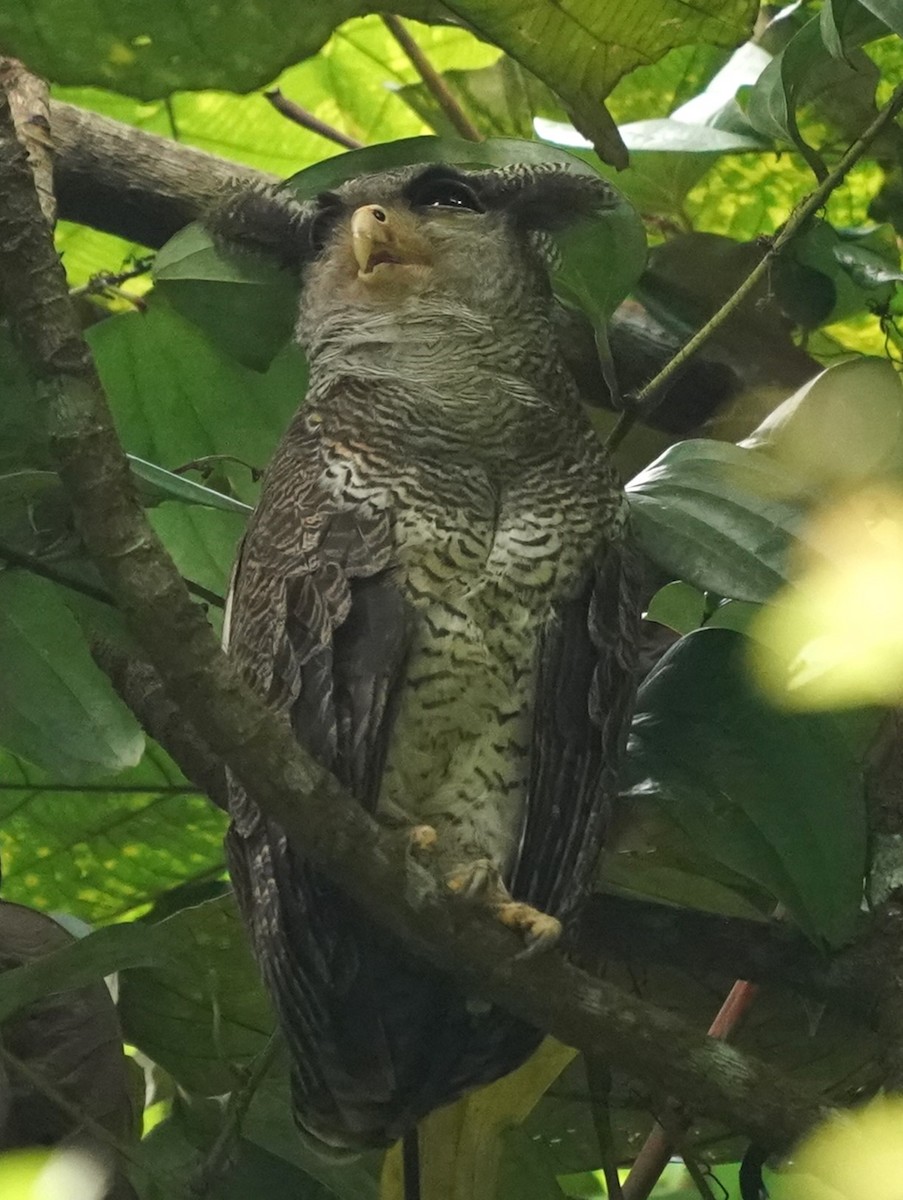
(854, 1156)
(834, 638)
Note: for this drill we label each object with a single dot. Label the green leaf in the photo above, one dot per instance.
(23, 433)
(804, 67)
(583, 47)
(77, 964)
(57, 709)
(103, 849)
(677, 605)
(713, 514)
(156, 485)
(846, 22)
(244, 303)
(888, 11)
(855, 271)
(839, 430)
(169, 415)
(202, 1013)
(775, 796)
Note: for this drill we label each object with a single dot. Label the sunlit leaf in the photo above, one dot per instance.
(102, 849)
(855, 1155)
(678, 605)
(843, 427)
(835, 639)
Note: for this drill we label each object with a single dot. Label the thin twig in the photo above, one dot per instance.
(35, 566)
(433, 81)
(806, 208)
(239, 1102)
(307, 120)
(697, 1174)
(598, 1077)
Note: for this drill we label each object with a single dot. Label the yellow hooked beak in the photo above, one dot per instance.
(372, 238)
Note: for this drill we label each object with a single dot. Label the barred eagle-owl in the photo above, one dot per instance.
(435, 589)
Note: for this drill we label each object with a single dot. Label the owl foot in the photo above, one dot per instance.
(539, 931)
(478, 879)
(482, 881)
(422, 839)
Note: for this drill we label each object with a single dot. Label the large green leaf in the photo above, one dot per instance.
(245, 304)
(581, 48)
(100, 850)
(177, 398)
(57, 709)
(842, 429)
(775, 796)
(714, 515)
(202, 1014)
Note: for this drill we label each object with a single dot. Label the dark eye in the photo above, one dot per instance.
(445, 193)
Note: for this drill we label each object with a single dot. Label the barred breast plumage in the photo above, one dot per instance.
(435, 588)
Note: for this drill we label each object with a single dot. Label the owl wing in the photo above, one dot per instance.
(584, 693)
(318, 629)
(314, 622)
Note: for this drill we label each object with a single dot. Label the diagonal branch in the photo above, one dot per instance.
(665, 1054)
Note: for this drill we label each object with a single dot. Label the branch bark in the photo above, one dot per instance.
(667, 1055)
(137, 185)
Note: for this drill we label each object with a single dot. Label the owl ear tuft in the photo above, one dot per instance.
(266, 220)
(552, 199)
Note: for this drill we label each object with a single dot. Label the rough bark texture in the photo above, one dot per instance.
(137, 185)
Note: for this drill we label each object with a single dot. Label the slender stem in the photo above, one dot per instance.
(433, 81)
(239, 1102)
(598, 1078)
(697, 1174)
(801, 214)
(27, 562)
(307, 120)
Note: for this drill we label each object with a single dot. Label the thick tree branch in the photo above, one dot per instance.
(667, 1055)
(137, 185)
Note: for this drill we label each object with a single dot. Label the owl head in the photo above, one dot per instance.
(434, 236)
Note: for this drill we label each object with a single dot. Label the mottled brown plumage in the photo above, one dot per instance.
(435, 588)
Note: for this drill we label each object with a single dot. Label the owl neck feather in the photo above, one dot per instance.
(439, 353)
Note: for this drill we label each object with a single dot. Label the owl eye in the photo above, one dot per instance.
(445, 193)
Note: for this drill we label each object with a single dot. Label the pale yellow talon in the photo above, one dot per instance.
(539, 931)
(422, 839)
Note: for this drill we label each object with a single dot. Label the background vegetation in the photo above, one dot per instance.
(764, 774)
